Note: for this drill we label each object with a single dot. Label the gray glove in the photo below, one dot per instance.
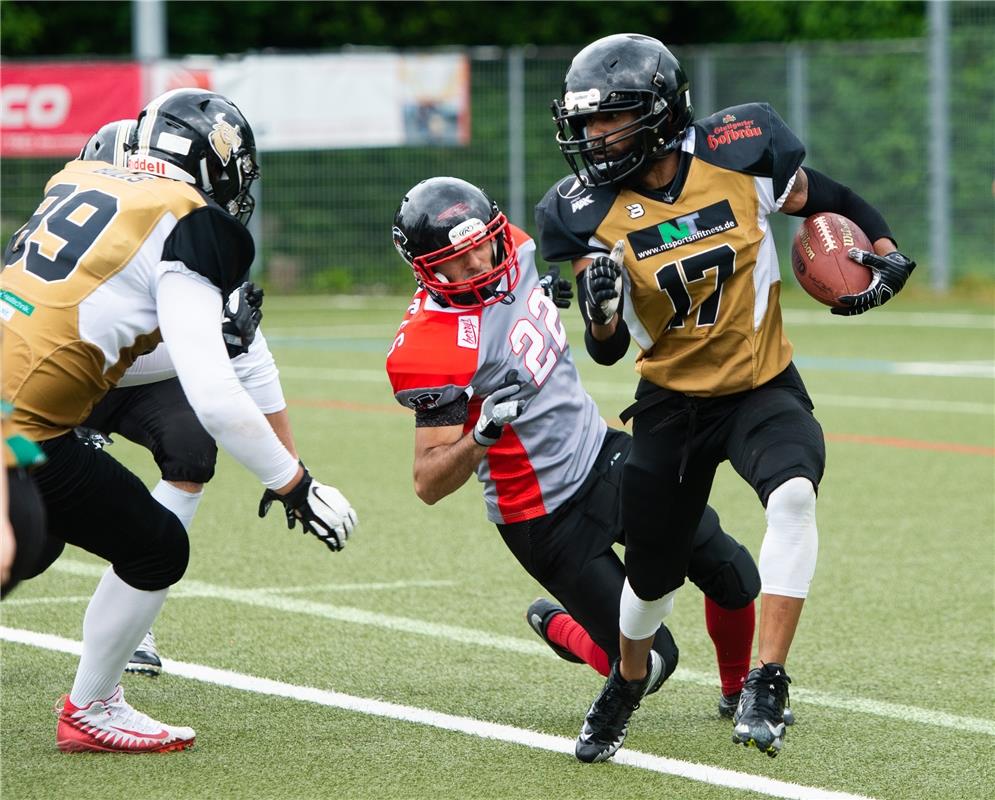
(498, 410)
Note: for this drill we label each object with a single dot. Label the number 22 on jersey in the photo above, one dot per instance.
(526, 337)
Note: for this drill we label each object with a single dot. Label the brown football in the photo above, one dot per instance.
(820, 261)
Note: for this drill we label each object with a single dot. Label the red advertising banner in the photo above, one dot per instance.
(52, 109)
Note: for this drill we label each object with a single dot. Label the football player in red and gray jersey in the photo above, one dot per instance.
(482, 359)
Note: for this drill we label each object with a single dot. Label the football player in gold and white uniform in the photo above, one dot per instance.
(148, 406)
(112, 262)
(665, 221)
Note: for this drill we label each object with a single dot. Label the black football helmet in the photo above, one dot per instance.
(112, 143)
(199, 137)
(624, 72)
(438, 220)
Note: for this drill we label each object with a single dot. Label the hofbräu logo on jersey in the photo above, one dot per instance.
(732, 132)
(687, 228)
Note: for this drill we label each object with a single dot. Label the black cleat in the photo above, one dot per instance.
(607, 721)
(539, 615)
(759, 717)
(146, 659)
(729, 702)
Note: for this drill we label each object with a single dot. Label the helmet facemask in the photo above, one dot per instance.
(484, 289)
(618, 154)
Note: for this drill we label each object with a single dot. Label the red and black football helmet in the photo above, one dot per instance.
(624, 72)
(437, 221)
(199, 137)
(113, 143)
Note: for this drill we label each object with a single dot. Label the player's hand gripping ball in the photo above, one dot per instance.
(821, 261)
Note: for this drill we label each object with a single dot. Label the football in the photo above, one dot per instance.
(820, 261)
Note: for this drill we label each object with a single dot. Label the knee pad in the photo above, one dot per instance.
(193, 465)
(721, 567)
(639, 619)
(163, 559)
(734, 583)
(791, 543)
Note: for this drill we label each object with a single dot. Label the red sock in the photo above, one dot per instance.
(732, 635)
(565, 631)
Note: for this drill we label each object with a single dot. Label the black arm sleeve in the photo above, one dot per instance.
(454, 413)
(825, 194)
(610, 350)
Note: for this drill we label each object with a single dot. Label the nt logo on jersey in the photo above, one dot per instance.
(682, 230)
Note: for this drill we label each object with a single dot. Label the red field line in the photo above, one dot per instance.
(849, 438)
(912, 444)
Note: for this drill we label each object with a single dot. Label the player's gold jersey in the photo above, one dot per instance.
(77, 292)
(701, 280)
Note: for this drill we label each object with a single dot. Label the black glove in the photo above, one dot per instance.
(498, 410)
(604, 285)
(890, 274)
(322, 510)
(557, 289)
(243, 313)
(92, 438)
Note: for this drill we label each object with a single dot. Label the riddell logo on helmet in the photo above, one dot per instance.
(146, 164)
(732, 131)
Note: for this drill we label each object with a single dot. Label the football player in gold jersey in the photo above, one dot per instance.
(665, 222)
(148, 405)
(112, 262)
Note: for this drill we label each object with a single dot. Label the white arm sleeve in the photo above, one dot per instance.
(257, 372)
(189, 313)
(150, 368)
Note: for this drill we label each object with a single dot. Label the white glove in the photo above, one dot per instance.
(604, 284)
(498, 410)
(323, 511)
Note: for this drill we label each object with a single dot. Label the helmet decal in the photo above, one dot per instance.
(457, 210)
(224, 138)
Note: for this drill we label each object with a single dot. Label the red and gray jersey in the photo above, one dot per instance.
(443, 355)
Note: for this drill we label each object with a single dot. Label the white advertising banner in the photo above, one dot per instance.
(349, 100)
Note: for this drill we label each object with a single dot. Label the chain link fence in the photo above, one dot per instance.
(862, 109)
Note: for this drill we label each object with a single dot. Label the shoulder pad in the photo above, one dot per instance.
(212, 243)
(568, 216)
(434, 356)
(752, 139)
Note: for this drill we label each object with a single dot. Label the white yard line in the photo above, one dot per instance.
(532, 647)
(702, 773)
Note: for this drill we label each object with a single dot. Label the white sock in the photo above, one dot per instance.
(640, 619)
(116, 620)
(182, 504)
(791, 544)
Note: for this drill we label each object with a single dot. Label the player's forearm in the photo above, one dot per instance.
(439, 471)
(279, 421)
(187, 312)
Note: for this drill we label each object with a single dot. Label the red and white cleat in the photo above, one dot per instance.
(113, 726)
